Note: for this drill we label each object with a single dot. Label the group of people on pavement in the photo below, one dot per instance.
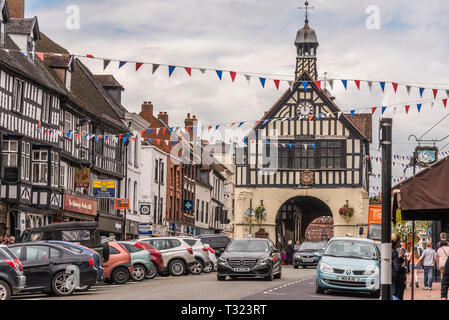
(289, 252)
(429, 259)
(7, 239)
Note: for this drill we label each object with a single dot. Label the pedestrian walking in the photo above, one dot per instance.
(445, 281)
(289, 252)
(297, 245)
(6, 239)
(429, 259)
(443, 237)
(398, 271)
(416, 265)
(442, 255)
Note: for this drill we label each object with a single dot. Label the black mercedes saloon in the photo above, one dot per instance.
(250, 258)
(52, 269)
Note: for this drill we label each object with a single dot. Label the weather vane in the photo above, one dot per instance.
(306, 8)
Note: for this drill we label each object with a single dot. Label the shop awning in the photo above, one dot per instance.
(425, 196)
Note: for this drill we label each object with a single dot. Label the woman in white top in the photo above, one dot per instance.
(442, 255)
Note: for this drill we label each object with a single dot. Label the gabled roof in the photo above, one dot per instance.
(321, 93)
(25, 26)
(31, 69)
(108, 80)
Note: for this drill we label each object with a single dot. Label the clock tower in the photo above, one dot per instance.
(306, 46)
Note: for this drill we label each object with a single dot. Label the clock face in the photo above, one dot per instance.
(305, 108)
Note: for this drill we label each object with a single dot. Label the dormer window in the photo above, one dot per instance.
(31, 44)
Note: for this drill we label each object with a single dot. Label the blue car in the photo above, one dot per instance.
(77, 248)
(351, 264)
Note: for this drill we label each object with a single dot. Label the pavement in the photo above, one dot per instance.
(420, 293)
(296, 284)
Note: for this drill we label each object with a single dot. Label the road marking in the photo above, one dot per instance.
(285, 285)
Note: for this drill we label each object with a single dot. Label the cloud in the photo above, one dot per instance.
(258, 36)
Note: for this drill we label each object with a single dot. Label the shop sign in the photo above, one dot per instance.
(146, 228)
(426, 156)
(82, 177)
(104, 188)
(121, 204)
(188, 204)
(80, 205)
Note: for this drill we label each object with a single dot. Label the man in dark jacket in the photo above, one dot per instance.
(445, 281)
(289, 252)
(398, 272)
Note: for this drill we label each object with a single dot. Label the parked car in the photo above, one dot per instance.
(201, 254)
(308, 254)
(52, 269)
(118, 268)
(156, 258)
(79, 249)
(140, 259)
(351, 264)
(212, 257)
(85, 233)
(12, 280)
(177, 255)
(218, 242)
(250, 258)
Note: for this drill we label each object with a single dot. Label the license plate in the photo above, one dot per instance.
(347, 278)
(241, 269)
(307, 260)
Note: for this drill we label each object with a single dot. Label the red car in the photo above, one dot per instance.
(156, 257)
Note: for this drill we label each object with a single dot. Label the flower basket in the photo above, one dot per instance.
(260, 214)
(346, 212)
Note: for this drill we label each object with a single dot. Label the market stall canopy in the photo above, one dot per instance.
(425, 196)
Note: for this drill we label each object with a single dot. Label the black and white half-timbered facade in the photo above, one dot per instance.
(308, 160)
(50, 108)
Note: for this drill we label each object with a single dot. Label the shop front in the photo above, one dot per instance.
(79, 208)
(200, 231)
(111, 226)
(132, 229)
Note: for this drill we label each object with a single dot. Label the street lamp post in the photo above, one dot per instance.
(386, 142)
(250, 213)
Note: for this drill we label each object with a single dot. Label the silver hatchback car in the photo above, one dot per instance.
(177, 255)
(201, 253)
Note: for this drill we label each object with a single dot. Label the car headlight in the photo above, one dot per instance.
(325, 267)
(222, 260)
(262, 262)
(371, 270)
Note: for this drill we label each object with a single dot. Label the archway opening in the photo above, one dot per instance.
(320, 229)
(295, 215)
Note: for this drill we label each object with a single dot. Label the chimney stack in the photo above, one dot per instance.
(16, 8)
(163, 116)
(147, 111)
(191, 122)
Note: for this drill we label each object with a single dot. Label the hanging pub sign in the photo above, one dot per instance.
(104, 189)
(426, 155)
(121, 203)
(82, 177)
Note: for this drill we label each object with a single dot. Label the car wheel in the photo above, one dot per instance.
(5, 291)
(177, 268)
(139, 272)
(318, 289)
(63, 284)
(208, 268)
(296, 266)
(279, 275)
(152, 272)
(83, 288)
(269, 276)
(221, 278)
(197, 268)
(120, 275)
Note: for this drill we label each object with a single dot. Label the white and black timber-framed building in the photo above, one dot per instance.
(40, 103)
(309, 167)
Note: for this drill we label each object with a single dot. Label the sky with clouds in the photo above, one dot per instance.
(257, 36)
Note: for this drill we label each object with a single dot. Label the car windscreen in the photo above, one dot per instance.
(130, 248)
(351, 249)
(75, 235)
(375, 231)
(69, 247)
(312, 246)
(248, 246)
(190, 242)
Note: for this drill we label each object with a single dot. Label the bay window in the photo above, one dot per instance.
(25, 169)
(40, 166)
(9, 153)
